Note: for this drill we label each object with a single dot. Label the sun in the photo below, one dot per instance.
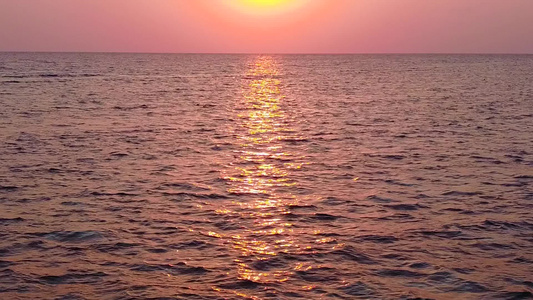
(267, 6)
(256, 19)
(264, 2)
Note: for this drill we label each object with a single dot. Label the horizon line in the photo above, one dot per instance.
(272, 53)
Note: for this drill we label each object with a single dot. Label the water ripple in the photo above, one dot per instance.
(265, 177)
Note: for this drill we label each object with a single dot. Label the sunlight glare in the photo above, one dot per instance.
(264, 2)
(268, 6)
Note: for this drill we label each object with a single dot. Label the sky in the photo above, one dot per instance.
(268, 26)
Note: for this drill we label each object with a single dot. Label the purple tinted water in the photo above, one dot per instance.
(130, 176)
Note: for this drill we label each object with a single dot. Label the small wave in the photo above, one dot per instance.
(72, 236)
(157, 250)
(14, 76)
(459, 193)
(470, 287)
(523, 295)
(359, 289)
(269, 264)
(5, 264)
(442, 277)
(440, 234)
(525, 283)
(404, 206)
(49, 75)
(508, 225)
(194, 244)
(73, 278)
(333, 201)
(121, 194)
(492, 246)
(57, 75)
(378, 239)
(419, 265)
(225, 225)
(142, 106)
(179, 268)
(241, 284)
(106, 248)
(522, 260)
(523, 177)
(8, 221)
(386, 156)
(396, 217)
(325, 217)
(71, 296)
(70, 203)
(183, 195)
(318, 274)
(352, 254)
(395, 182)
(184, 186)
(8, 188)
(378, 199)
(399, 273)
(302, 207)
(118, 154)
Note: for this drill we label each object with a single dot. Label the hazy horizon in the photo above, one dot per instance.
(267, 53)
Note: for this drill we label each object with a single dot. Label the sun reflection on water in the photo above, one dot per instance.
(261, 175)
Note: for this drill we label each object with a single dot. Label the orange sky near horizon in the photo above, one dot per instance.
(262, 22)
(268, 26)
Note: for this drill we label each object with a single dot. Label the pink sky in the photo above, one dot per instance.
(297, 26)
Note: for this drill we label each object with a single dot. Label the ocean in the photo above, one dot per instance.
(166, 176)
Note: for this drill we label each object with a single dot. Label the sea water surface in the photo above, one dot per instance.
(144, 176)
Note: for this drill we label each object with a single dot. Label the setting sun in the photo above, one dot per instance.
(267, 6)
(264, 2)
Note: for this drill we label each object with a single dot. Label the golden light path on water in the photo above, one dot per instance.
(262, 173)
